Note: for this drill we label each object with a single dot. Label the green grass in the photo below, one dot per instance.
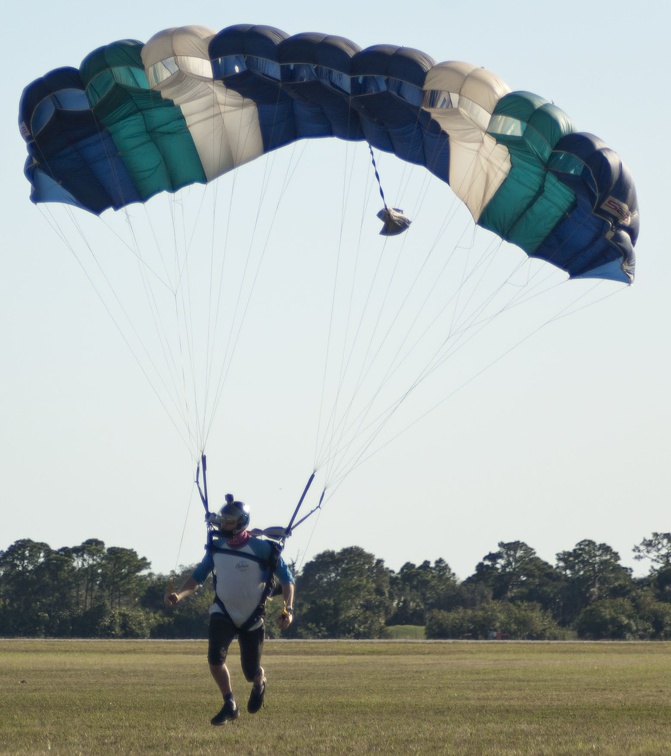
(102, 697)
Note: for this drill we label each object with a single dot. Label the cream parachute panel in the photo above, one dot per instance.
(223, 124)
(463, 98)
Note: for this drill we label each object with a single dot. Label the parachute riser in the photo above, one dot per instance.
(279, 535)
(300, 504)
(311, 512)
(203, 491)
(292, 522)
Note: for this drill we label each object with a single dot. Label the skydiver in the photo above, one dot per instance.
(243, 567)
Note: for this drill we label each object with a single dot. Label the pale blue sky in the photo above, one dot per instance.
(564, 439)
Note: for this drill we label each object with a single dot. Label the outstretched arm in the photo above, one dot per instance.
(187, 589)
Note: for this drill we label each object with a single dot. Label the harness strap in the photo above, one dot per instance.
(270, 564)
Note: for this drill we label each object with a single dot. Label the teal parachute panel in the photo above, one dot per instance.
(150, 133)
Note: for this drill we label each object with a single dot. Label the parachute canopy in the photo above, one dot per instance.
(192, 104)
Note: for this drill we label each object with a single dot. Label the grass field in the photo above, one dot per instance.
(124, 697)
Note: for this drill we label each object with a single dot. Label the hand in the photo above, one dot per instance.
(286, 618)
(172, 598)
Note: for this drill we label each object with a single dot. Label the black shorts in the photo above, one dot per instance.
(221, 633)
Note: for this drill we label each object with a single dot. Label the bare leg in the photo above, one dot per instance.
(222, 677)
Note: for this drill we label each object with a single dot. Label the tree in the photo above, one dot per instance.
(516, 573)
(661, 583)
(119, 576)
(88, 559)
(610, 618)
(343, 595)
(657, 549)
(592, 572)
(26, 587)
(654, 615)
(84, 591)
(497, 619)
(418, 590)
(189, 619)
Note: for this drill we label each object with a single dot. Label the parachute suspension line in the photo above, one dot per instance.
(158, 323)
(239, 311)
(213, 302)
(227, 357)
(320, 441)
(180, 364)
(564, 312)
(454, 330)
(155, 310)
(178, 351)
(365, 370)
(363, 373)
(242, 304)
(336, 278)
(339, 428)
(330, 439)
(374, 427)
(213, 319)
(567, 310)
(184, 329)
(342, 426)
(240, 307)
(218, 379)
(214, 375)
(347, 354)
(332, 426)
(171, 283)
(187, 517)
(184, 241)
(106, 305)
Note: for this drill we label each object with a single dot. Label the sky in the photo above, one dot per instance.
(562, 439)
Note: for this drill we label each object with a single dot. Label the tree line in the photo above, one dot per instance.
(95, 591)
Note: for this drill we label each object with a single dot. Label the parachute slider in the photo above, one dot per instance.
(394, 221)
(274, 533)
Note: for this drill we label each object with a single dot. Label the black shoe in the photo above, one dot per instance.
(229, 712)
(256, 698)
